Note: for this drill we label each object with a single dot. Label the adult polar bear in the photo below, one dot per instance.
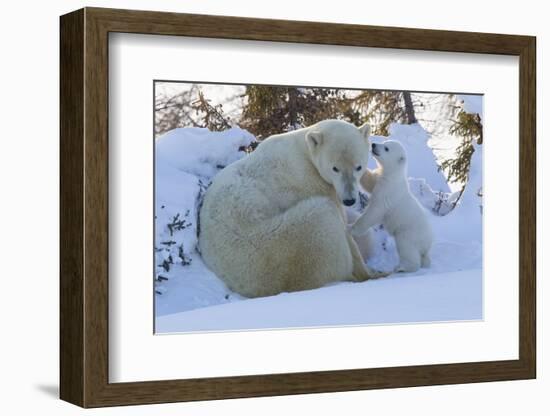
(273, 222)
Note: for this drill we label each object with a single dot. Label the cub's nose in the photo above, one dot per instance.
(349, 202)
(373, 146)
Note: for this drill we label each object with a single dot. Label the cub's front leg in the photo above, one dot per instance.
(372, 216)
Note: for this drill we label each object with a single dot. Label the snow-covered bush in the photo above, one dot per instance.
(186, 159)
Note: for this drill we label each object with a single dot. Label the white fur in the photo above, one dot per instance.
(393, 205)
(366, 243)
(273, 222)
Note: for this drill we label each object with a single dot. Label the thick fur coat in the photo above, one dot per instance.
(273, 222)
(393, 205)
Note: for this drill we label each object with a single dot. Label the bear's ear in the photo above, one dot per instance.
(401, 160)
(314, 140)
(365, 131)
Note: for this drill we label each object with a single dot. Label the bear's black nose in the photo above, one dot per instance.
(349, 202)
(373, 146)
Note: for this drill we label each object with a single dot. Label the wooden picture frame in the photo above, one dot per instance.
(84, 207)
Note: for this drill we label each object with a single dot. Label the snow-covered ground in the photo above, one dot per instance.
(191, 298)
(432, 297)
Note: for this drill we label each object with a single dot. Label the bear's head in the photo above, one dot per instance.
(340, 152)
(390, 156)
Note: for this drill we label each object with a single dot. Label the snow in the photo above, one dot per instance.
(200, 152)
(191, 298)
(436, 114)
(425, 298)
(186, 159)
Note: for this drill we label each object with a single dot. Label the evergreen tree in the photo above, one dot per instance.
(469, 127)
(381, 108)
(271, 110)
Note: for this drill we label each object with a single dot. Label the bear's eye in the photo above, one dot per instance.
(386, 148)
(335, 169)
(358, 168)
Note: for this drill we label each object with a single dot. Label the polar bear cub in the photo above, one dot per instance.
(393, 205)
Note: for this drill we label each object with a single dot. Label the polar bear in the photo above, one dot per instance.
(393, 205)
(274, 222)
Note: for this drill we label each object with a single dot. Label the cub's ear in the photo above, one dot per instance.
(401, 159)
(365, 131)
(314, 139)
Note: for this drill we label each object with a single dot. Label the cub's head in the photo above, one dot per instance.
(390, 155)
(340, 152)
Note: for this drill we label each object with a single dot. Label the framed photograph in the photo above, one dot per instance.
(254, 207)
